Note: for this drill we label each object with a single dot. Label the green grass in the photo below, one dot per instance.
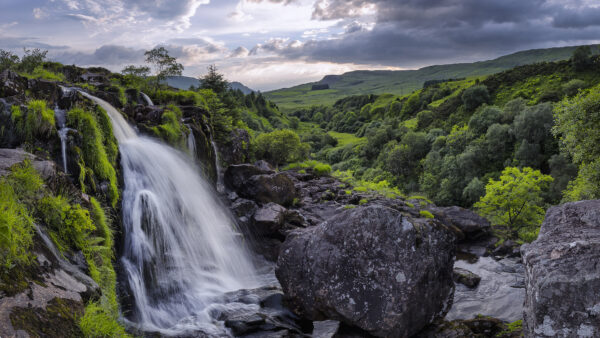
(426, 214)
(317, 167)
(346, 138)
(405, 81)
(36, 122)
(171, 130)
(381, 188)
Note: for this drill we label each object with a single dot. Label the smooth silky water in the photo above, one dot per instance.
(182, 252)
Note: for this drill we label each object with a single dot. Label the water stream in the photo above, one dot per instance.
(60, 116)
(182, 251)
(147, 99)
(220, 184)
(191, 143)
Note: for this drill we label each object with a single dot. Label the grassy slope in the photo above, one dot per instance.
(406, 81)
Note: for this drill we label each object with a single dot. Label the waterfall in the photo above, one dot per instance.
(60, 116)
(191, 142)
(220, 184)
(182, 253)
(147, 99)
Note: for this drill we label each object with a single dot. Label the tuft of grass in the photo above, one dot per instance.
(94, 155)
(363, 201)
(317, 167)
(38, 121)
(16, 229)
(171, 130)
(426, 214)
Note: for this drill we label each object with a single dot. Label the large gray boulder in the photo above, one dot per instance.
(563, 275)
(470, 224)
(370, 267)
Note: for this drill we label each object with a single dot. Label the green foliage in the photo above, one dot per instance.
(280, 146)
(171, 130)
(8, 60)
(382, 188)
(475, 96)
(426, 214)
(577, 123)
(95, 149)
(164, 64)
(38, 121)
(515, 200)
(16, 229)
(32, 59)
(581, 59)
(214, 81)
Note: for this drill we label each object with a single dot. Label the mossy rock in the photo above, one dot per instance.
(59, 319)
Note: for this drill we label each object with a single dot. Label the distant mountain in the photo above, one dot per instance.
(185, 82)
(405, 81)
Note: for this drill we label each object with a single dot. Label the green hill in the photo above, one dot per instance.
(406, 81)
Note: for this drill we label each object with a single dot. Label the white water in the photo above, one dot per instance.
(147, 99)
(191, 143)
(181, 250)
(60, 116)
(220, 184)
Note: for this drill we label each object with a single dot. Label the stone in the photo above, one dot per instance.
(370, 267)
(466, 277)
(236, 176)
(12, 84)
(563, 275)
(269, 219)
(470, 224)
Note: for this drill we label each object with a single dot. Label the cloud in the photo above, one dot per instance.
(239, 52)
(108, 55)
(18, 43)
(413, 33)
(38, 13)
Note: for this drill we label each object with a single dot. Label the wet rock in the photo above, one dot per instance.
(236, 150)
(470, 224)
(264, 165)
(44, 89)
(507, 248)
(466, 277)
(370, 267)
(10, 157)
(269, 219)
(12, 84)
(243, 208)
(562, 274)
(276, 188)
(236, 176)
(245, 323)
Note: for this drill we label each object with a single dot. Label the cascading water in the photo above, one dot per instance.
(147, 99)
(191, 142)
(220, 184)
(60, 116)
(181, 252)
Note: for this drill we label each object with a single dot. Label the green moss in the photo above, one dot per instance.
(349, 206)
(97, 323)
(171, 130)
(410, 205)
(38, 121)
(58, 319)
(363, 201)
(322, 169)
(93, 152)
(426, 214)
(16, 229)
(512, 329)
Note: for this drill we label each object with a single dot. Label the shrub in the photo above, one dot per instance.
(475, 96)
(38, 121)
(280, 146)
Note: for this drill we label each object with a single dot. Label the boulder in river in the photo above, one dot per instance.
(563, 275)
(370, 267)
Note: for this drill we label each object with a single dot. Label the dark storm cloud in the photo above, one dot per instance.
(105, 55)
(410, 33)
(18, 43)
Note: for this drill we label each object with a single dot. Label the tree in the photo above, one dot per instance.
(475, 96)
(164, 64)
(576, 124)
(581, 59)
(214, 81)
(31, 59)
(139, 71)
(8, 60)
(280, 146)
(515, 200)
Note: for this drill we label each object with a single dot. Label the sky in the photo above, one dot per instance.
(270, 44)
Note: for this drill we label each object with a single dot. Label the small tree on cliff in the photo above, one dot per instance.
(516, 201)
(164, 65)
(214, 81)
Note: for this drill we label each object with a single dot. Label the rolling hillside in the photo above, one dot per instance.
(405, 81)
(185, 82)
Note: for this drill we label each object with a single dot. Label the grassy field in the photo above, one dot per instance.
(345, 138)
(406, 81)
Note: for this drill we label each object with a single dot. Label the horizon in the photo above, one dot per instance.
(274, 44)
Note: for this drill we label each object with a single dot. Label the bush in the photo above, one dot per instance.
(38, 121)
(475, 96)
(280, 146)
